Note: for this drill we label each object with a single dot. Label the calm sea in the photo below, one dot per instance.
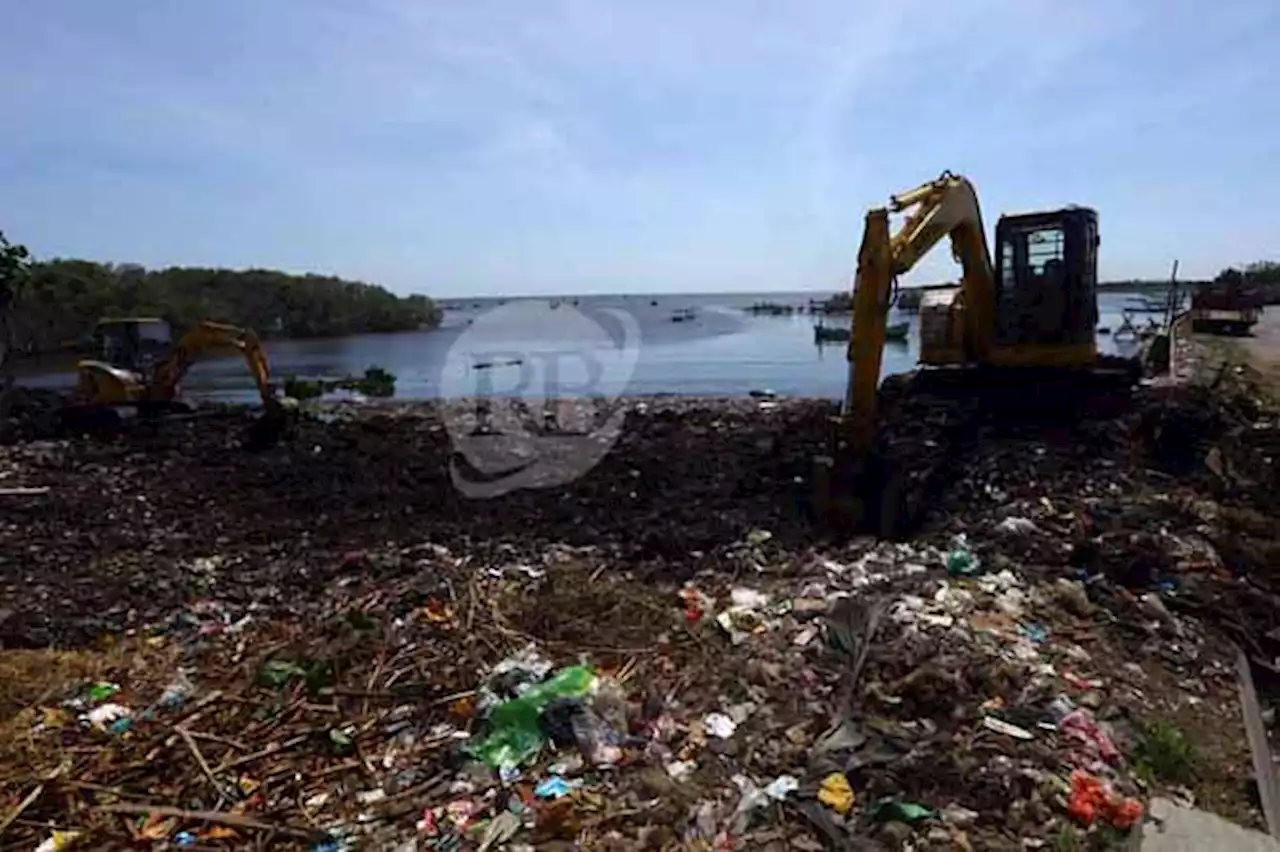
(588, 344)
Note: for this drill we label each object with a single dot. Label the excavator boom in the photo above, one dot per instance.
(212, 337)
(946, 207)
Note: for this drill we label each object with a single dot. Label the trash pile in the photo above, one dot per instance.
(326, 647)
(31, 412)
(905, 693)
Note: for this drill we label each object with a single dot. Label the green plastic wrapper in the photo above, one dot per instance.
(892, 810)
(961, 562)
(101, 692)
(514, 733)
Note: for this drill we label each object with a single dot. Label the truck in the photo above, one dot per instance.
(1226, 308)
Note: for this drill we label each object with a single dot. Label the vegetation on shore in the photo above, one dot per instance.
(375, 382)
(1259, 272)
(56, 302)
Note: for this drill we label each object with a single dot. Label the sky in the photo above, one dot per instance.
(510, 148)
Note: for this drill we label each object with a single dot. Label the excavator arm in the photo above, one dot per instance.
(852, 486)
(946, 207)
(208, 337)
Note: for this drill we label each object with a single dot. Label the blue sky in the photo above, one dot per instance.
(591, 146)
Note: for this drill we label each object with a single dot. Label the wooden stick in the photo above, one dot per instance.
(269, 750)
(22, 806)
(215, 738)
(24, 492)
(233, 820)
(204, 766)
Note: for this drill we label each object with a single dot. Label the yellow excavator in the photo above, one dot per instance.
(139, 367)
(1014, 328)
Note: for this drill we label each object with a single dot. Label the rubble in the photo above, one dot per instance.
(324, 646)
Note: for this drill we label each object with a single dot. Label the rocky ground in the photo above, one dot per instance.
(316, 647)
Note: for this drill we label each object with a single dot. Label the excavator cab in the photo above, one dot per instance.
(133, 344)
(1046, 293)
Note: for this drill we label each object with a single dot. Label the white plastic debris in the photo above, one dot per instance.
(749, 599)
(805, 636)
(1014, 525)
(1000, 582)
(745, 615)
(752, 798)
(959, 816)
(681, 769)
(782, 786)
(1000, 726)
(104, 714)
(719, 725)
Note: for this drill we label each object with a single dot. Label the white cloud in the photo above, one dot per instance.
(725, 140)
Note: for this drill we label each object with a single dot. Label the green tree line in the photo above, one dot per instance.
(1259, 272)
(55, 303)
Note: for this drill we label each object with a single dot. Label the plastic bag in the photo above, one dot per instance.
(514, 733)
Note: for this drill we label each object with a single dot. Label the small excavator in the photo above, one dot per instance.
(1016, 330)
(140, 367)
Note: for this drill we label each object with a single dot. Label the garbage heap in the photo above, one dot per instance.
(1049, 652)
(910, 695)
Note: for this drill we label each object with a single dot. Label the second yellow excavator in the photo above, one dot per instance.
(138, 366)
(1025, 320)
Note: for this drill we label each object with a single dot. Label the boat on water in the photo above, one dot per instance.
(831, 334)
(894, 333)
(771, 308)
(1148, 305)
(683, 315)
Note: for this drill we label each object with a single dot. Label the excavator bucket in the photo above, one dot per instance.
(860, 496)
(275, 424)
